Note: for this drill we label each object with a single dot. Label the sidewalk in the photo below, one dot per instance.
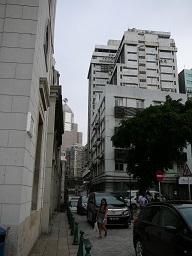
(58, 242)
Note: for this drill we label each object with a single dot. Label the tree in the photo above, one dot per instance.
(154, 138)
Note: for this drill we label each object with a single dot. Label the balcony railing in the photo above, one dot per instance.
(121, 111)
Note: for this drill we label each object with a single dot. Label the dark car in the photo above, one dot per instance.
(82, 205)
(164, 228)
(118, 212)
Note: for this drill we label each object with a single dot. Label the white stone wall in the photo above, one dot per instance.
(22, 64)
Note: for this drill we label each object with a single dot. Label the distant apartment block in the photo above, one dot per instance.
(75, 161)
(71, 134)
(185, 82)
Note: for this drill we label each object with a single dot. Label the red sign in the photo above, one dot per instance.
(187, 171)
(159, 176)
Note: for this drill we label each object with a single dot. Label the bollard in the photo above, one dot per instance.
(80, 250)
(69, 214)
(70, 221)
(75, 240)
(72, 225)
(88, 249)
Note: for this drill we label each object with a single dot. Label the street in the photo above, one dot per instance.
(117, 242)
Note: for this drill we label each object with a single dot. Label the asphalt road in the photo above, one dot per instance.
(118, 242)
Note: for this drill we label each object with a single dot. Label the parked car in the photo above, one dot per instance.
(164, 228)
(134, 202)
(73, 204)
(135, 194)
(118, 212)
(156, 193)
(82, 205)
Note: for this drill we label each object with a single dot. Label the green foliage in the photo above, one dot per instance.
(154, 137)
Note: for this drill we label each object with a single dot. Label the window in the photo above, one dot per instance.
(46, 43)
(151, 214)
(157, 103)
(139, 103)
(118, 101)
(169, 218)
(180, 168)
(118, 166)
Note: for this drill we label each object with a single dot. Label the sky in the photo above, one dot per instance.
(82, 24)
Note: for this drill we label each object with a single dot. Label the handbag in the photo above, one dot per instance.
(96, 226)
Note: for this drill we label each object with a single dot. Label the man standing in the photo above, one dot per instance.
(142, 201)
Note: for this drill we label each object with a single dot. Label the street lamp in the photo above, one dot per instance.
(130, 207)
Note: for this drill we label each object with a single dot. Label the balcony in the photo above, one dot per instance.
(121, 111)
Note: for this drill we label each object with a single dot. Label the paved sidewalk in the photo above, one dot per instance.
(59, 242)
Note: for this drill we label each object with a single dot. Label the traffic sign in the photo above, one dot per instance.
(159, 175)
(187, 171)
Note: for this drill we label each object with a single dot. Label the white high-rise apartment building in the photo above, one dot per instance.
(146, 59)
(101, 67)
(141, 72)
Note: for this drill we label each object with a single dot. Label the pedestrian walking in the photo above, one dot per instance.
(102, 217)
(142, 201)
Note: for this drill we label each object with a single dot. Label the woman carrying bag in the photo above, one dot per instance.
(102, 217)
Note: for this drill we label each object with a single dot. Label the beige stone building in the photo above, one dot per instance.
(30, 122)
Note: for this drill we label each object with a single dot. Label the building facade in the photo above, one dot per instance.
(71, 134)
(143, 71)
(146, 59)
(101, 66)
(185, 82)
(108, 170)
(72, 152)
(30, 105)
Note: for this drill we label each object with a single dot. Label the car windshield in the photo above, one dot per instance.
(111, 199)
(73, 203)
(187, 213)
(84, 199)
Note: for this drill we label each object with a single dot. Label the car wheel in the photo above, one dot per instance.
(139, 248)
